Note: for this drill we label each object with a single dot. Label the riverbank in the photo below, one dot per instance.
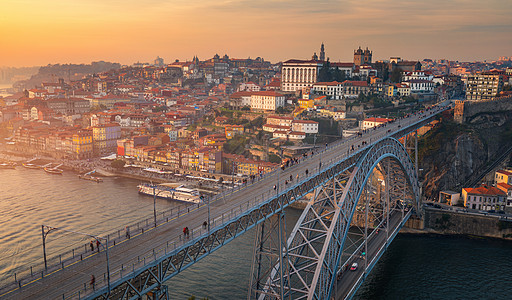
(103, 169)
(453, 223)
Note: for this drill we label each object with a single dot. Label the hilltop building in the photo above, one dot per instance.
(362, 57)
(298, 74)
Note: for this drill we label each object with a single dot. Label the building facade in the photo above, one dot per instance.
(484, 198)
(266, 100)
(483, 86)
(298, 74)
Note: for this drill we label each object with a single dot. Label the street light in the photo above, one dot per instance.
(97, 238)
(154, 201)
(208, 205)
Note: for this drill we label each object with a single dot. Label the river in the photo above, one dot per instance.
(414, 267)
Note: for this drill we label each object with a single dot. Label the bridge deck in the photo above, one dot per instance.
(66, 283)
(348, 281)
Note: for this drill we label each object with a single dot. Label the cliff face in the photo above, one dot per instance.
(452, 154)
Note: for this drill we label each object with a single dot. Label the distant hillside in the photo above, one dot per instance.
(9, 75)
(51, 73)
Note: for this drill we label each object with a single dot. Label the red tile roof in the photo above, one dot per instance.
(378, 120)
(267, 93)
(503, 185)
(485, 190)
(504, 172)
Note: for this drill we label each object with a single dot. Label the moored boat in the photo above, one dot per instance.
(7, 166)
(31, 166)
(53, 171)
(91, 178)
(179, 193)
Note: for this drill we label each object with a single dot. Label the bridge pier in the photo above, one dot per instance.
(270, 248)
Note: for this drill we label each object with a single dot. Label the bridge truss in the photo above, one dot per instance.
(320, 246)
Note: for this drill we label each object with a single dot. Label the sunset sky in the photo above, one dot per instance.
(35, 32)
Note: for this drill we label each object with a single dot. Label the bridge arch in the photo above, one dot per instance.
(315, 247)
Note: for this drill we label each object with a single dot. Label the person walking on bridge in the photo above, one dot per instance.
(92, 246)
(93, 281)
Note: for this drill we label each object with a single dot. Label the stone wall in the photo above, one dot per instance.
(450, 222)
(469, 109)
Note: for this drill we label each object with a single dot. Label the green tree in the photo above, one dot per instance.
(339, 75)
(324, 75)
(236, 145)
(159, 108)
(117, 164)
(280, 110)
(396, 75)
(274, 159)
(258, 122)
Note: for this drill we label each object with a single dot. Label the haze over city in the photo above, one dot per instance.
(57, 31)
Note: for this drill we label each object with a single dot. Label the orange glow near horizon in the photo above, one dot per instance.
(81, 31)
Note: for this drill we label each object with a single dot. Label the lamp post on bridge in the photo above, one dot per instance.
(97, 238)
(208, 205)
(154, 201)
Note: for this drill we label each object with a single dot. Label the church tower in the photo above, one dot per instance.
(362, 57)
(367, 56)
(322, 52)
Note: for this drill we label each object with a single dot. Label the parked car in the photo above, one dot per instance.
(353, 267)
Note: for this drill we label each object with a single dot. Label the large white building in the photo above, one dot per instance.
(484, 198)
(373, 122)
(332, 89)
(298, 74)
(266, 100)
(341, 90)
(417, 75)
(420, 85)
(281, 121)
(249, 87)
(306, 126)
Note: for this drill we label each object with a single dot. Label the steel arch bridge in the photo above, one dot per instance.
(312, 254)
(320, 246)
(317, 252)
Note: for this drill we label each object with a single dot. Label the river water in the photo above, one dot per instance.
(414, 267)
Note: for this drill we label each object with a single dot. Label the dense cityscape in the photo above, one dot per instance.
(128, 172)
(230, 116)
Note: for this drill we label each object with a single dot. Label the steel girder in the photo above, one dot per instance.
(316, 243)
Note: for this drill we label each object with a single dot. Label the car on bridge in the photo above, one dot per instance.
(353, 267)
